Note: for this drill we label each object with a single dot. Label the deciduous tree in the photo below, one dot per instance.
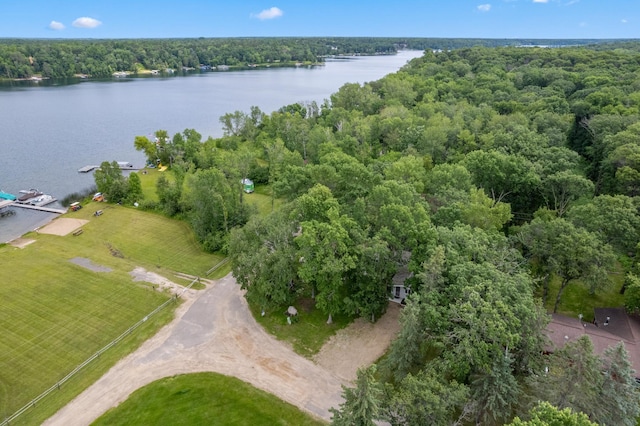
(264, 259)
(110, 181)
(545, 414)
(570, 253)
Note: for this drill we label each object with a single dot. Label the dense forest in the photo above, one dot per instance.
(500, 177)
(25, 58)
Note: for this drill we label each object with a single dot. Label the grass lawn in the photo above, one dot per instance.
(142, 238)
(576, 298)
(55, 314)
(261, 199)
(308, 333)
(204, 399)
(148, 178)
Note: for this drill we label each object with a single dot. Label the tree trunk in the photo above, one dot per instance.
(565, 281)
(545, 289)
(330, 320)
(273, 199)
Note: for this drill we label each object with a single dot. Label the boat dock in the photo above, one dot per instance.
(4, 208)
(40, 208)
(87, 169)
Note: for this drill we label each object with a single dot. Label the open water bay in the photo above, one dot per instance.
(48, 130)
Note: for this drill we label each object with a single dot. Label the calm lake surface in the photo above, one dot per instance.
(49, 130)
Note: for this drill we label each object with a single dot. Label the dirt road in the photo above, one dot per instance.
(214, 331)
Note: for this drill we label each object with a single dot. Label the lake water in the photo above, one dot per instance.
(49, 130)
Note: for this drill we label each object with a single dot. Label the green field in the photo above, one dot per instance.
(204, 399)
(55, 314)
(143, 239)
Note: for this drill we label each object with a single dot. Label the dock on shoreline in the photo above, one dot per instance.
(90, 168)
(40, 208)
(87, 169)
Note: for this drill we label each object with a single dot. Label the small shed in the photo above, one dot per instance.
(247, 185)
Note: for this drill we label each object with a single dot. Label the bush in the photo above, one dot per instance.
(259, 174)
(149, 205)
(632, 294)
(77, 196)
(214, 242)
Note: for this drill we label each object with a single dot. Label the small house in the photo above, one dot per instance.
(247, 185)
(399, 291)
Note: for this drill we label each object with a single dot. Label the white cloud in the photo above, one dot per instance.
(624, 21)
(271, 13)
(86, 22)
(484, 7)
(55, 25)
(541, 1)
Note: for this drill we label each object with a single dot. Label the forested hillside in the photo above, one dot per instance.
(24, 58)
(501, 177)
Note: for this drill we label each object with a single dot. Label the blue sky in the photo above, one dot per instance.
(397, 18)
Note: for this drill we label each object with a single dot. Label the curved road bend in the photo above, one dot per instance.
(213, 331)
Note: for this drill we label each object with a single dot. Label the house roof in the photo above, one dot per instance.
(621, 328)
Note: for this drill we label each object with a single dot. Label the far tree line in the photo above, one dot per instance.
(24, 58)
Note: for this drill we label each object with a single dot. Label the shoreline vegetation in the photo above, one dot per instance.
(188, 70)
(36, 59)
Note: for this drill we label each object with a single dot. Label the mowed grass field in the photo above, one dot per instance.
(204, 399)
(55, 314)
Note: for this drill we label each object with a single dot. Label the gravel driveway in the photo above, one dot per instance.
(213, 331)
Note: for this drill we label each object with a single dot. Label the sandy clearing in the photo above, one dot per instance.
(360, 344)
(215, 331)
(62, 226)
(21, 242)
(161, 283)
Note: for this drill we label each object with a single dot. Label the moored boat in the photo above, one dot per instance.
(7, 196)
(27, 194)
(42, 200)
